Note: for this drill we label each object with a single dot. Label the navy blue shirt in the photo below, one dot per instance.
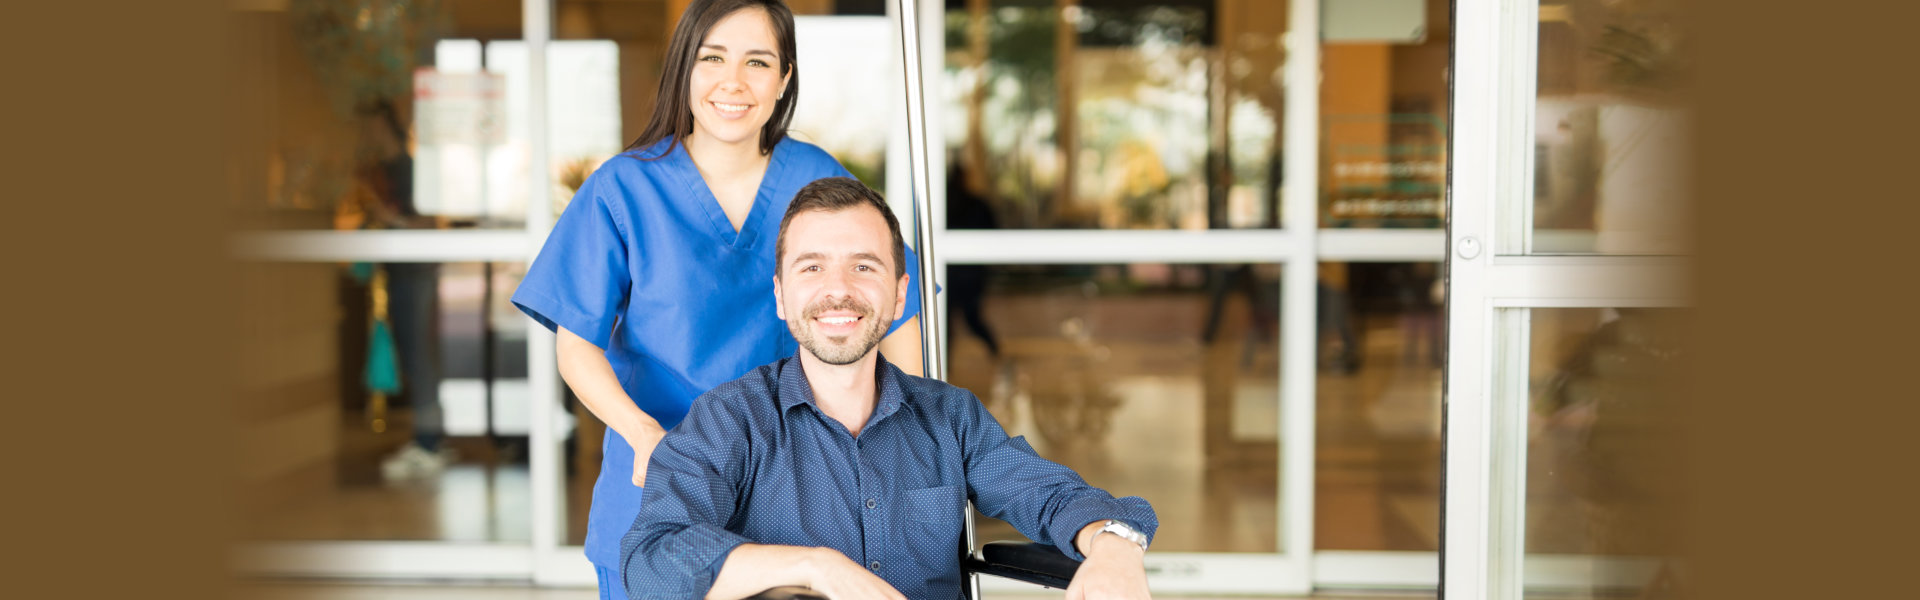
(757, 461)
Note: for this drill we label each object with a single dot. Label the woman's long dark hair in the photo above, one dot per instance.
(673, 114)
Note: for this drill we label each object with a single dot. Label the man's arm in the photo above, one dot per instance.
(1053, 505)
(679, 547)
(677, 544)
(755, 568)
(1043, 499)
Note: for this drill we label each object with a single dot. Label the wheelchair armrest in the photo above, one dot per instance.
(1033, 563)
(792, 592)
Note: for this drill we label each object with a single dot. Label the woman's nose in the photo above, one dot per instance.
(734, 77)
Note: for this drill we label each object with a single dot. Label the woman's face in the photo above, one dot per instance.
(736, 79)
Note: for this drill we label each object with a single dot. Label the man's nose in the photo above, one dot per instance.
(835, 283)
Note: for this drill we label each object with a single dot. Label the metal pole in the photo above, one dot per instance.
(931, 347)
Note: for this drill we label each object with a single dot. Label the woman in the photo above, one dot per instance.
(658, 277)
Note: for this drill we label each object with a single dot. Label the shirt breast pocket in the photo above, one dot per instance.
(935, 505)
(929, 530)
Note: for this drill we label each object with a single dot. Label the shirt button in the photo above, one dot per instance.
(875, 566)
(871, 503)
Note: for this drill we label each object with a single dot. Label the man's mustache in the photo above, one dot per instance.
(848, 304)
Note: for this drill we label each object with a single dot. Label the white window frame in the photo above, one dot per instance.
(1492, 284)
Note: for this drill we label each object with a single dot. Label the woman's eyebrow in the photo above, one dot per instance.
(750, 52)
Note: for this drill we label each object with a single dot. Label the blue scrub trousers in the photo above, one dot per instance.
(612, 586)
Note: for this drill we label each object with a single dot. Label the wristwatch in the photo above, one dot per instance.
(1123, 530)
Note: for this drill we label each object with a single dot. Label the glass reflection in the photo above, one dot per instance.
(1377, 443)
(1154, 380)
(1078, 115)
(384, 402)
(1383, 114)
(1604, 453)
(1611, 141)
(374, 114)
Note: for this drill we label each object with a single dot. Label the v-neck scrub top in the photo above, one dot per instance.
(644, 263)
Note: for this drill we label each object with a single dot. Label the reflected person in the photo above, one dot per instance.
(657, 278)
(834, 470)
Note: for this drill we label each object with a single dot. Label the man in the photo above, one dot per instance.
(835, 471)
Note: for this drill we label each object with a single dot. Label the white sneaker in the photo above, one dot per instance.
(413, 462)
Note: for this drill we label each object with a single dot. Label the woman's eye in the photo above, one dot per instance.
(757, 63)
(711, 58)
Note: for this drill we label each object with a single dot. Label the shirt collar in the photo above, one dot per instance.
(795, 390)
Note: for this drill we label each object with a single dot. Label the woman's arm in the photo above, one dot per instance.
(585, 368)
(902, 348)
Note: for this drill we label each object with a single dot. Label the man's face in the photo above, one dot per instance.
(836, 285)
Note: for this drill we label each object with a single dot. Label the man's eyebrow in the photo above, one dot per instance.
(806, 256)
(753, 51)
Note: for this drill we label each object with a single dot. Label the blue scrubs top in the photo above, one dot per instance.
(645, 264)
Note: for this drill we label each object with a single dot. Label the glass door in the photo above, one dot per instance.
(1566, 279)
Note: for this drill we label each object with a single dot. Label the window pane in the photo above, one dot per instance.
(1604, 452)
(1383, 113)
(1116, 115)
(1378, 451)
(378, 114)
(1610, 145)
(367, 428)
(1154, 380)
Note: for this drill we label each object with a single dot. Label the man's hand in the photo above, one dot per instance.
(837, 577)
(1115, 569)
(643, 442)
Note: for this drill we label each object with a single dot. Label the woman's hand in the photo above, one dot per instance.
(643, 443)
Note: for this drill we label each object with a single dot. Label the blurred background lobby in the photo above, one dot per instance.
(1194, 249)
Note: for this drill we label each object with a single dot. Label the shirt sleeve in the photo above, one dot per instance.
(1045, 500)
(580, 279)
(677, 545)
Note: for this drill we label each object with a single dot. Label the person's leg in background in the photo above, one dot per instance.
(414, 293)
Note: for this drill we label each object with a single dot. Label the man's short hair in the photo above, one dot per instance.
(835, 194)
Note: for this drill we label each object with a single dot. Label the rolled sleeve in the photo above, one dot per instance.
(682, 563)
(1091, 508)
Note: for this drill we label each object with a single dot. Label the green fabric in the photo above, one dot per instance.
(383, 364)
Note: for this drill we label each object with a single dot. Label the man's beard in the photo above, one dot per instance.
(835, 350)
